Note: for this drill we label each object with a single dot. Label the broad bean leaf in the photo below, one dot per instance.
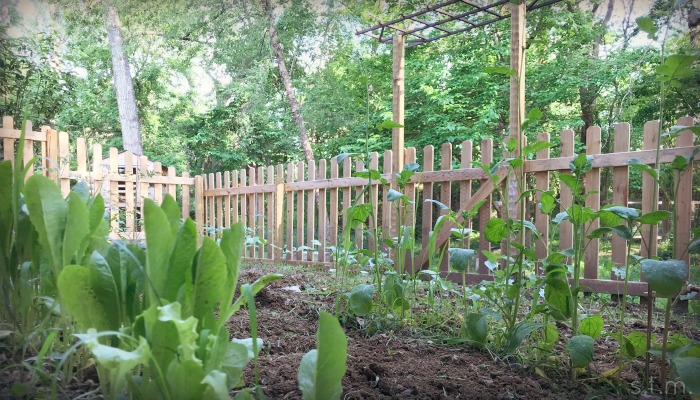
(667, 277)
(592, 326)
(580, 350)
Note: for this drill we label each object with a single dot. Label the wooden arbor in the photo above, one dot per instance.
(446, 19)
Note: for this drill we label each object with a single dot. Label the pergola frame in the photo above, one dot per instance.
(471, 19)
(476, 16)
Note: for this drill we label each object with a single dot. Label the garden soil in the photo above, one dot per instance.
(395, 363)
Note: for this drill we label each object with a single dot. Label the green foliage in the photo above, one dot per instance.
(580, 350)
(667, 277)
(322, 369)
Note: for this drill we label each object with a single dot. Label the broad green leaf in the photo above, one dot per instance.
(47, 211)
(676, 67)
(500, 70)
(580, 350)
(654, 217)
(6, 191)
(321, 371)
(636, 163)
(358, 215)
(459, 258)
(76, 236)
(550, 335)
(179, 264)
(511, 145)
(216, 386)
(172, 211)
(361, 299)
(390, 125)
(520, 332)
(581, 164)
(547, 202)
(232, 245)
(646, 24)
(476, 328)
(633, 345)
(236, 358)
(679, 163)
(106, 288)
(210, 277)
(186, 378)
(626, 213)
(557, 293)
(592, 326)
(78, 298)
(537, 146)
(118, 361)
(393, 195)
(687, 368)
(495, 230)
(411, 167)
(186, 329)
(437, 203)
(159, 242)
(667, 277)
(257, 286)
(571, 182)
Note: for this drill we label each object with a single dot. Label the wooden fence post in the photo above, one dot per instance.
(199, 206)
(684, 198)
(566, 229)
(592, 186)
(621, 181)
(541, 219)
(485, 210)
(648, 250)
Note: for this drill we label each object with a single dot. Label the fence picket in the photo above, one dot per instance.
(592, 188)
(269, 214)
(310, 211)
(566, 234)
(300, 212)
(684, 197)
(485, 210)
(541, 219)
(621, 182)
(427, 218)
(651, 135)
(333, 198)
(322, 214)
(290, 214)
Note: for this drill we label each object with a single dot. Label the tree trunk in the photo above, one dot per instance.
(287, 81)
(123, 85)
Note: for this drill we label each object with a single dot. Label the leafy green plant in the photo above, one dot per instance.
(179, 340)
(321, 370)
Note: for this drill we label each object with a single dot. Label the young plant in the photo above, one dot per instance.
(179, 342)
(321, 370)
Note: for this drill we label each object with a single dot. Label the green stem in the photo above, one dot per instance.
(667, 321)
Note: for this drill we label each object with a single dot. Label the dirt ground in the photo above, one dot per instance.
(393, 364)
(399, 365)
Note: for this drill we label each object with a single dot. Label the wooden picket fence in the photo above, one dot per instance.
(296, 213)
(122, 178)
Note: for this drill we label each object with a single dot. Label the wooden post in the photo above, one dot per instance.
(621, 182)
(485, 210)
(517, 92)
(279, 213)
(199, 205)
(592, 187)
(397, 104)
(542, 220)
(566, 229)
(684, 197)
(648, 250)
(397, 107)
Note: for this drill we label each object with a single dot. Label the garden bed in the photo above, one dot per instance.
(405, 363)
(399, 361)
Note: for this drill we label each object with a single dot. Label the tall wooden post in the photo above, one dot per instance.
(517, 90)
(397, 107)
(397, 104)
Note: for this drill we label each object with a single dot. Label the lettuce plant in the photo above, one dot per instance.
(156, 319)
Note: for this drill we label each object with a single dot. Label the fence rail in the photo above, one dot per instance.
(296, 213)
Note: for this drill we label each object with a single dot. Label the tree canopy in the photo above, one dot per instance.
(210, 97)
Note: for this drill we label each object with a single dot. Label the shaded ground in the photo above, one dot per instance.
(399, 363)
